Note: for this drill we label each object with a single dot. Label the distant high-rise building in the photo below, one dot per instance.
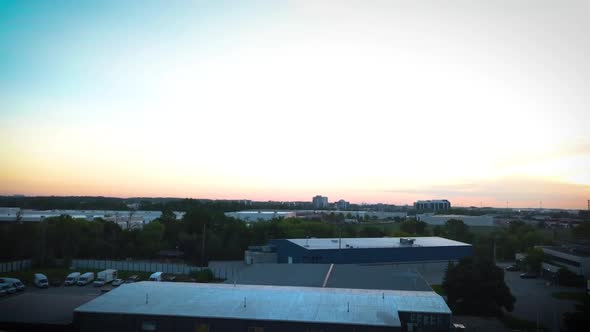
(320, 202)
(342, 205)
(433, 205)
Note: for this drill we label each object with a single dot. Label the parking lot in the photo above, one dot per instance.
(53, 305)
(534, 301)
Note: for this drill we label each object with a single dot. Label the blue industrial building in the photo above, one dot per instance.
(165, 306)
(369, 250)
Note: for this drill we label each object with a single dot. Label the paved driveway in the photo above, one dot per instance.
(534, 301)
(54, 305)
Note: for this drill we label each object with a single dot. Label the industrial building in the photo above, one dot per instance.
(441, 219)
(162, 306)
(353, 276)
(432, 205)
(574, 257)
(320, 202)
(342, 205)
(368, 250)
(122, 218)
(255, 216)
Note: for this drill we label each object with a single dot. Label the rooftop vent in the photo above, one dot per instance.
(406, 241)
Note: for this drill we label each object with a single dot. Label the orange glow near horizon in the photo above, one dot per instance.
(369, 102)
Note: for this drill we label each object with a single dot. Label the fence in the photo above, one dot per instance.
(24, 264)
(148, 266)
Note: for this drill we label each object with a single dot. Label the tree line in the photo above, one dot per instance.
(205, 233)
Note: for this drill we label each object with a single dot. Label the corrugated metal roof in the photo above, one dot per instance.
(374, 242)
(377, 277)
(302, 275)
(353, 276)
(302, 304)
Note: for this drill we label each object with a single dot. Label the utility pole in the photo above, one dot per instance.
(494, 248)
(340, 239)
(203, 246)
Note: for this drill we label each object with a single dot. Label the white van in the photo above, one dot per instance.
(8, 288)
(156, 276)
(41, 280)
(16, 283)
(72, 279)
(104, 277)
(85, 279)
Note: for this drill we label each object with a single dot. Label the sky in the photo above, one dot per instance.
(484, 103)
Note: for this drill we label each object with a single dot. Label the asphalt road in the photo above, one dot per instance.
(54, 305)
(534, 301)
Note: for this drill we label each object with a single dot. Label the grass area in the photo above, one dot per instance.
(482, 230)
(574, 296)
(514, 323)
(438, 289)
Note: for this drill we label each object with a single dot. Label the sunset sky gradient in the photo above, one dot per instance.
(478, 102)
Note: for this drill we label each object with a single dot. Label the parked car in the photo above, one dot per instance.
(512, 267)
(528, 275)
(8, 288)
(132, 279)
(117, 282)
(40, 280)
(72, 278)
(170, 278)
(16, 283)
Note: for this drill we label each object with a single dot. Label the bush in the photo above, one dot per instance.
(566, 277)
(205, 275)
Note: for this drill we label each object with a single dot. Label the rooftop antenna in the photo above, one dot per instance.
(347, 306)
(146, 298)
(340, 238)
(244, 301)
(383, 295)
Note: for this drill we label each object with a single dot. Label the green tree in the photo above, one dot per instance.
(477, 287)
(150, 239)
(414, 227)
(534, 259)
(371, 231)
(167, 214)
(579, 320)
(457, 230)
(566, 277)
(582, 231)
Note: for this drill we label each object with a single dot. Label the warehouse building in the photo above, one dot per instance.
(441, 219)
(151, 306)
(573, 256)
(255, 216)
(378, 277)
(369, 250)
